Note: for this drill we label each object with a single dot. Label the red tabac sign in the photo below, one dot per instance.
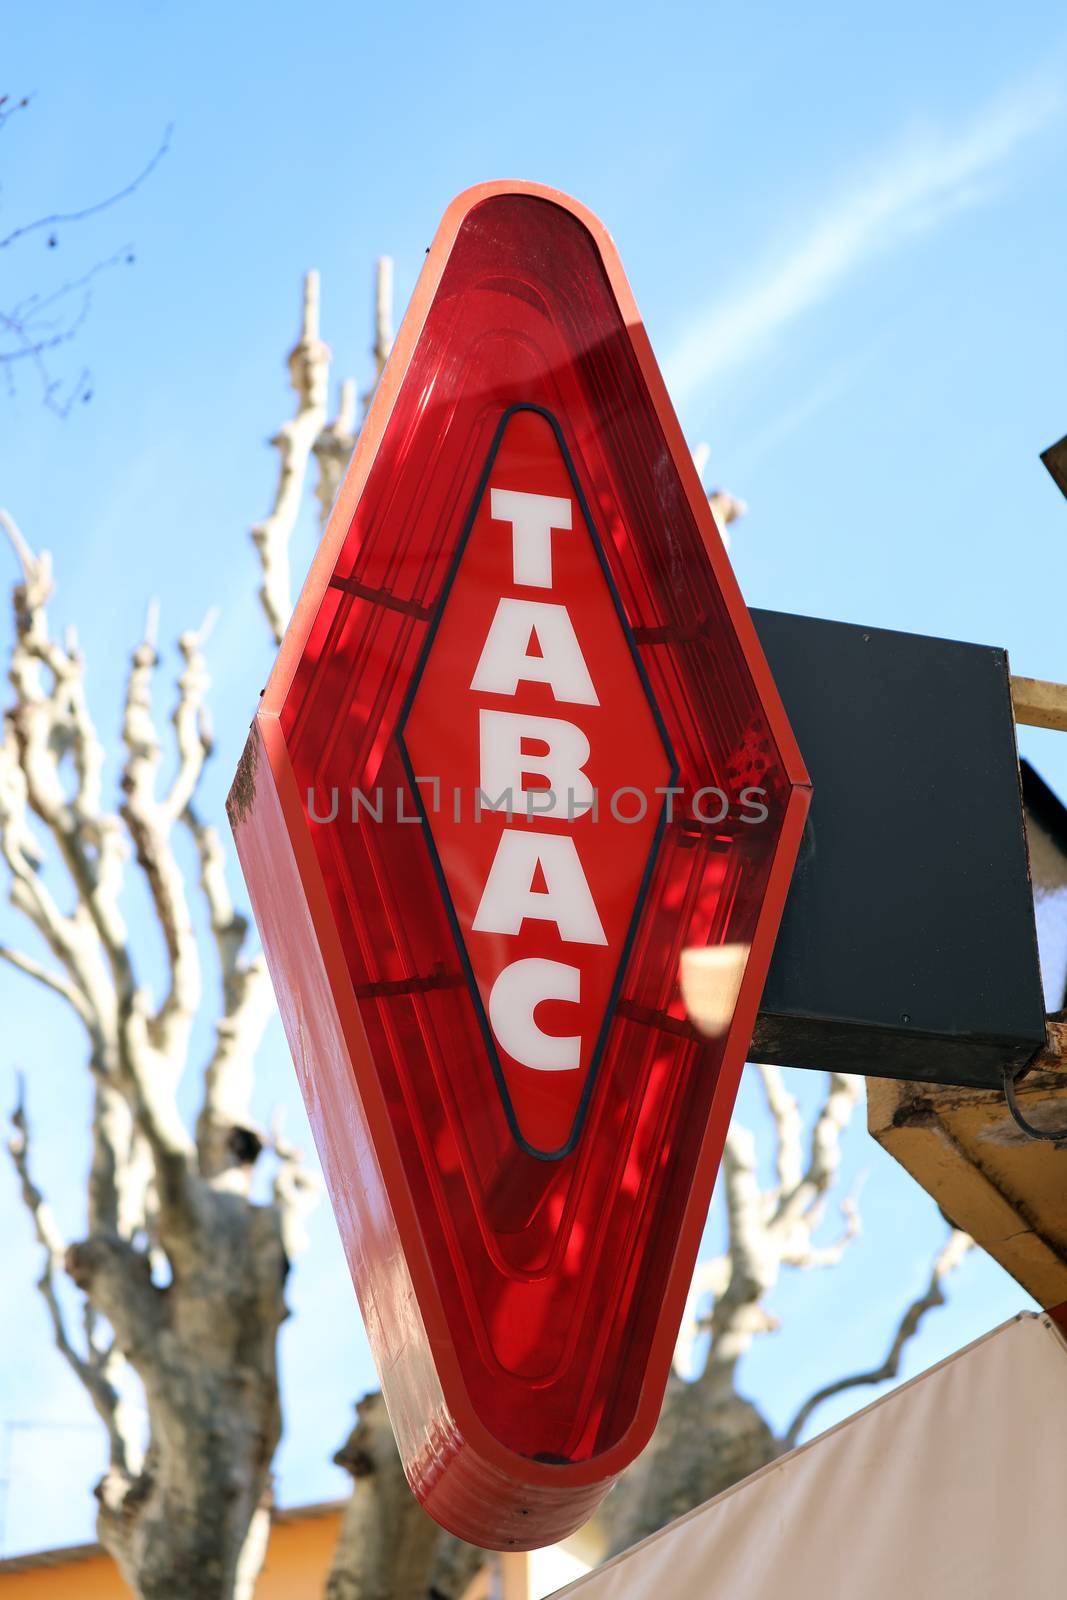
(520, 759)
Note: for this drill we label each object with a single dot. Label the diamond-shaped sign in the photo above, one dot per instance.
(520, 762)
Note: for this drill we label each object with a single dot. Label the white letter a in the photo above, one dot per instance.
(505, 661)
(509, 895)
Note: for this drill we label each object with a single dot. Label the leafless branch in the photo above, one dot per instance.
(224, 1133)
(295, 1191)
(97, 1369)
(947, 1261)
(150, 821)
(33, 329)
(334, 446)
(9, 107)
(800, 1206)
(309, 366)
(49, 720)
(51, 980)
(229, 926)
(726, 508)
(57, 218)
(785, 1114)
(37, 326)
(191, 728)
(333, 449)
(383, 323)
(769, 1229)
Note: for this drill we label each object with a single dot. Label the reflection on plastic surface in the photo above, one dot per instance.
(711, 982)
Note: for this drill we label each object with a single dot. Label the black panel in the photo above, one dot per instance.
(907, 948)
(1055, 459)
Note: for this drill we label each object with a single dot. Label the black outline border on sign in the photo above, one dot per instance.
(446, 589)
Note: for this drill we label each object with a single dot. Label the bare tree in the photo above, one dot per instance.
(181, 1272)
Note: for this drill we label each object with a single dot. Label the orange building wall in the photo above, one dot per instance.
(92, 1579)
(298, 1560)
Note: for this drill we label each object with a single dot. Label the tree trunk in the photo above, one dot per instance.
(193, 1521)
(708, 1438)
(389, 1549)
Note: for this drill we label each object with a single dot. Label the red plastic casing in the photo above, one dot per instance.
(521, 1240)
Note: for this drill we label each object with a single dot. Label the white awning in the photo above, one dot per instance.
(953, 1487)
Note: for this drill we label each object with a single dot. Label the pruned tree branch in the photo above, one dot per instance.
(309, 366)
(772, 1228)
(229, 927)
(295, 1190)
(333, 449)
(51, 980)
(226, 1141)
(726, 508)
(308, 434)
(49, 720)
(950, 1257)
(98, 1368)
(785, 1115)
(383, 324)
(192, 731)
(150, 822)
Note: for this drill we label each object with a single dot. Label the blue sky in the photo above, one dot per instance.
(848, 240)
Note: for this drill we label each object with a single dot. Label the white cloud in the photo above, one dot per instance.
(925, 182)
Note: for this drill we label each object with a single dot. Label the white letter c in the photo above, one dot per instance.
(517, 992)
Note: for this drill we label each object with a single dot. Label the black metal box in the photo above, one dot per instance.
(908, 946)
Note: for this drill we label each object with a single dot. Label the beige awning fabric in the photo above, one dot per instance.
(953, 1487)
